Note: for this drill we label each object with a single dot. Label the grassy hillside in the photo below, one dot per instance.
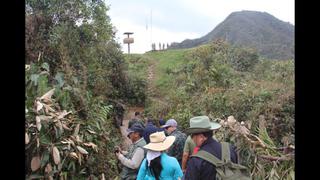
(220, 80)
(166, 61)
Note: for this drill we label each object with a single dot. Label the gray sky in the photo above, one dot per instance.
(168, 21)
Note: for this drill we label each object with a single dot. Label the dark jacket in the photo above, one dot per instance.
(150, 128)
(176, 149)
(198, 168)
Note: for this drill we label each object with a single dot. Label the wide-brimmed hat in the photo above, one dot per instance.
(169, 123)
(201, 124)
(159, 141)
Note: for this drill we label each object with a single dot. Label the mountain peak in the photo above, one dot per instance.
(272, 37)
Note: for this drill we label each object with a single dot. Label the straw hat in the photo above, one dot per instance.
(201, 124)
(159, 141)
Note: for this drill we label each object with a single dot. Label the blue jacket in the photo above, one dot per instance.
(170, 169)
(198, 168)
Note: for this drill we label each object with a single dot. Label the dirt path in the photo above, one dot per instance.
(128, 115)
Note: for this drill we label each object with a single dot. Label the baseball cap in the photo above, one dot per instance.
(169, 123)
(135, 128)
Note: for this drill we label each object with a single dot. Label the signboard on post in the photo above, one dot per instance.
(128, 40)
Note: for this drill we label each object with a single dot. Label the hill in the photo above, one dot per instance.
(271, 37)
(211, 80)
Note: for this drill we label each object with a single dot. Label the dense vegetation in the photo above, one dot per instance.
(271, 37)
(78, 83)
(220, 80)
(76, 86)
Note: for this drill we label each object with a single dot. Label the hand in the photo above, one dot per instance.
(117, 148)
(118, 154)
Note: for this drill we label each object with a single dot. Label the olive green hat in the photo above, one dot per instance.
(201, 124)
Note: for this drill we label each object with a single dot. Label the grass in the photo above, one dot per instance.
(166, 62)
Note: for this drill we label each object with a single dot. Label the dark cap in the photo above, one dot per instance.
(136, 127)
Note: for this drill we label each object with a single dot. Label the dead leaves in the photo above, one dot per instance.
(38, 123)
(35, 163)
(27, 139)
(73, 155)
(90, 144)
(48, 168)
(39, 106)
(90, 131)
(47, 96)
(231, 120)
(82, 150)
(76, 130)
(48, 115)
(56, 155)
(64, 113)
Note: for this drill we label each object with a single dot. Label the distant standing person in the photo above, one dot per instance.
(119, 110)
(176, 149)
(136, 119)
(157, 164)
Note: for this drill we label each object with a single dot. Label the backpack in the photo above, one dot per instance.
(226, 169)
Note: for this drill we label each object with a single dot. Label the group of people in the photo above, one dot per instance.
(164, 152)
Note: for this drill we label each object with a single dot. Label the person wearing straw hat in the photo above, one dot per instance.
(157, 164)
(201, 131)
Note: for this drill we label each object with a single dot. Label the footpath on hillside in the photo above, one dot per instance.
(128, 115)
(150, 93)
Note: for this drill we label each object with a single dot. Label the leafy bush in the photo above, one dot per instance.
(243, 59)
(70, 48)
(219, 80)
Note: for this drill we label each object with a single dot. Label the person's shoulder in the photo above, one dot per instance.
(182, 134)
(169, 160)
(167, 156)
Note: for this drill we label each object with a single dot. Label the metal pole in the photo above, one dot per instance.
(128, 46)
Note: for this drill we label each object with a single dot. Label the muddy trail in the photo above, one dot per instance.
(129, 113)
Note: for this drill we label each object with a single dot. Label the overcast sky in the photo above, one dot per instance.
(168, 21)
